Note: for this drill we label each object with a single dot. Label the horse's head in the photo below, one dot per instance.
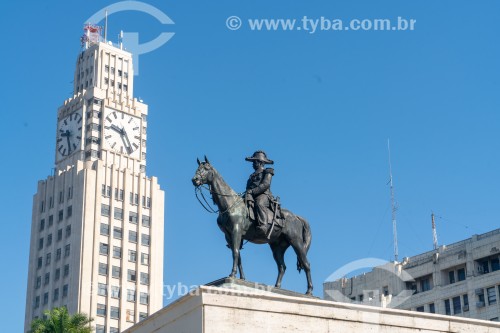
(204, 174)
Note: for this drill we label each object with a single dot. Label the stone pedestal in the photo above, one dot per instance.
(232, 305)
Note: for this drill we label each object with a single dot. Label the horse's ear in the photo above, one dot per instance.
(198, 160)
(206, 159)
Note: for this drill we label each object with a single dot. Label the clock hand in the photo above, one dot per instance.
(69, 143)
(116, 129)
(126, 141)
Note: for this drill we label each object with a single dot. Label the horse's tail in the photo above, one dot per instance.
(306, 238)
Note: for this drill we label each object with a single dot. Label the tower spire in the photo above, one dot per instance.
(106, 26)
(393, 205)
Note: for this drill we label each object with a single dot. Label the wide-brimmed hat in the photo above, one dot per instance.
(259, 155)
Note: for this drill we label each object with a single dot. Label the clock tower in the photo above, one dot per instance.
(97, 223)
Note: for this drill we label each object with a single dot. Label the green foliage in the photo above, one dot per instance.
(58, 320)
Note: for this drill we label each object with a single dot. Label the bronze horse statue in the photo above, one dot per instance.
(236, 225)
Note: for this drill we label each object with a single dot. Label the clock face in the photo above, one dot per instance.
(122, 133)
(69, 135)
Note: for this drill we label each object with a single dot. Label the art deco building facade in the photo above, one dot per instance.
(460, 279)
(97, 223)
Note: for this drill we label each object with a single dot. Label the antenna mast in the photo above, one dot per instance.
(394, 208)
(106, 26)
(434, 233)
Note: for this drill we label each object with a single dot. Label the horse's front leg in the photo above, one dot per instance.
(235, 248)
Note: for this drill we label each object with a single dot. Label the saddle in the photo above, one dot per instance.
(276, 215)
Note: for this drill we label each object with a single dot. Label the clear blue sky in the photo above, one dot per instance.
(321, 105)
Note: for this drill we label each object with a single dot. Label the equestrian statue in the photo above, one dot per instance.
(256, 216)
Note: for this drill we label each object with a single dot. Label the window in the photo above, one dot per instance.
(143, 298)
(132, 237)
(145, 280)
(466, 302)
(65, 290)
(113, 330)
(120, 195)
(101, 309)
(104, 229)
(70, 192)
(114, 312)
(104, 210)
(61, 197)
(119, 73)
(37, 302)
(115, 292)
(59, 234)
(106, 68)
(117, 252)
(461, 274)
(58, 254)
(38, 282)
(100, 329)
(40, 243)
(42, 206)
(432, 308)
(118, 214)
(447, 306)
(495, 264)
(67, 250)
(112, 70)
(451, 276)
(457, 305)
(49, 240)
(68, 231)
(145, 241)
(39, 262)
(146, 221)
(144, 201)
(132, 256)
(51, 202)
(51, 220)
(46, 280)
(142, 316)
(132, 217)
(102, 289)
(47, 259)
(42, 224)
(420, 309)
(144, 258)
(148, 199)
(134, 198)
(116, 272)
(425, 283)
(66, 270)
(492, 295)
(130, 295)
(61, 215)
(103, 269)
(117, 233)
(69, 211)
(57, 275)
(56, 294)
(46, 298)
(130, 315)
(103, 249)
(131, 275)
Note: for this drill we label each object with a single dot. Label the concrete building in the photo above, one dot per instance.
(460, 279)
(97, 223)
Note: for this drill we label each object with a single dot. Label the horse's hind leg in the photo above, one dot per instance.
(279, 249)
(298, 247)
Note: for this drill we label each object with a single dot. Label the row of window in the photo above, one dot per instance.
(48, 256)
(133, 197)
(116, 273)
(118, 234)
(61, 199)
(130, 317)
(118, 215)
(57, 276)
(118, 85)
(55, 296)
(108, 69)
(49, 238)
(115, 292)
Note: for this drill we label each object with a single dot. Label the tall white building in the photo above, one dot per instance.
(460, 279)
(97, 224)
